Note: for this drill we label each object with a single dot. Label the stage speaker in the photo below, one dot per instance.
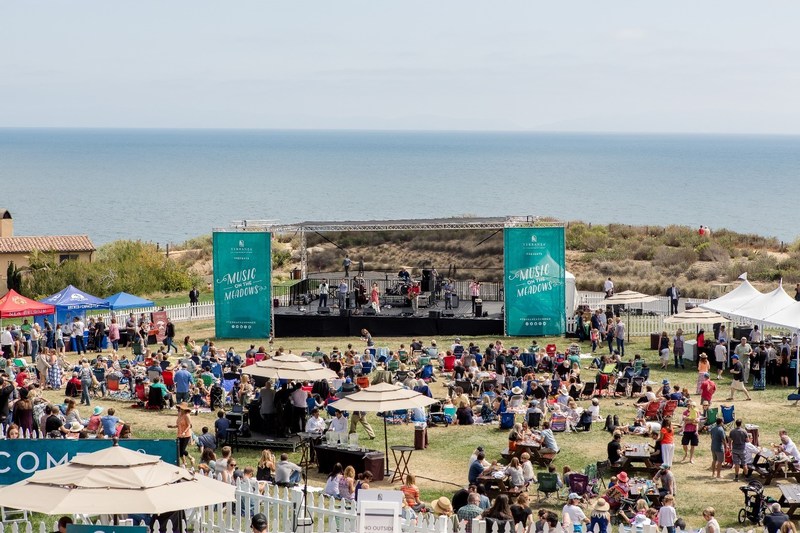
(428, 281)
(434, 314)
(324, 310)
(369, 311)
(478, 307)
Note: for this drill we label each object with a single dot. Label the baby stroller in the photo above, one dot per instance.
(754, 503)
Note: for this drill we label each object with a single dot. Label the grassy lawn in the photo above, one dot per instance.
(442, 468)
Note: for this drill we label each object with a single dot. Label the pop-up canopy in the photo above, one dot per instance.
(123, 300)
(14, 304)
(71, 299)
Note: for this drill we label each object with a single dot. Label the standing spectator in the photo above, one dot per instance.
(717, 448)
(667, 442)
(99, 334)
(113, 334)
(689, 438)
(194, 298)
(184, 426)
(183, 381)
(667, 515)
(738, 379)
(738, 439)
(130, 328)
(357, 417)
(677, 348)
(720, 357)
(78, 329)
(323, 293)
(744, 351)
(674, 294)
(169, 335)
(712, 526)
(299, 397)
(86, 376)
(573, 514)
(268, 407)
(619, 334)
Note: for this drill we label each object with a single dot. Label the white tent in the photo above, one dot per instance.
(570, 293)
(765, 305)
(788, 317)
(729, 303)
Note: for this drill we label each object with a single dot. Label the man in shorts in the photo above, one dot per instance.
(689, 439)
(738, 438)
(738, 379)
(717, 448)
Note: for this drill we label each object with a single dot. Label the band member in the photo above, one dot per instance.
(413, 296)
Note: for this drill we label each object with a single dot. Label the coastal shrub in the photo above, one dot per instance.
(580, 236)
(644, 252)
(280, 256)
(711, 251)
(670, 258)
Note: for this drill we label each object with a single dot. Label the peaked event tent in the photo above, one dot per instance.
(72, 298)
(14, 304)
(728, 303)
(114, 481)
(123, 300)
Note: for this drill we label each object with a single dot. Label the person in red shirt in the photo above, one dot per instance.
(413, 295)
(707, 389)
(22, 378)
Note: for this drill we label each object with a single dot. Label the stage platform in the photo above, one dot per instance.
(261, 441)
(307, 321)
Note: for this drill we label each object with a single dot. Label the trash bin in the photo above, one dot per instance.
(297, 273)
(420, 437)
(654, 338)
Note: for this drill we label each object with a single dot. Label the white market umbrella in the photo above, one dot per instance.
(628, 298)
(114, 481)
(383, 397)
(696, 315)
(289, 366)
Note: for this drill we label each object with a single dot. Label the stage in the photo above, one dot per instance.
(394, 321)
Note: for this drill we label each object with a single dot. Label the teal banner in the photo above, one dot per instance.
(242, 284)
(74, 528)
(20, 458)
(534, 281)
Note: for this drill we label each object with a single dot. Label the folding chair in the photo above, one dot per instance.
(711, 416)
(548, 484)
(652, 410)
(728, 415)
(669, 409)
(588, 390)
(637, 385)
(506, 420)
(621, 387)
(534, 420)
(558, 423)
(579, 484)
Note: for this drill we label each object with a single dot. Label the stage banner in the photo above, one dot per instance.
(20, 458)
(242, 284)
(534, 281)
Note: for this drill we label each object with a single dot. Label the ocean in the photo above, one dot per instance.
(170, 185)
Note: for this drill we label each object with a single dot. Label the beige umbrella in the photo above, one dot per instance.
(628, 298)
(114, 481)
(696, 315)
(383, 397)
(289, 366)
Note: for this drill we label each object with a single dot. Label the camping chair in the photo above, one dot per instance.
(579, 484)
(155, 399)
(588, 390)
(152, 375)
(711, 416)
(575, 393)
(651, 411)
(636, 385)
(466, 386)
(427, 372)
(515, 401)
(645, 373)
(528, 360)
(669, 409)
(227, 386)
(534, 420)
(558, 423)
(621, 387)
(392, 365)
(637, 366)
(506, 420)
(169, 379)
(488, 385)
(728, 415)
(551, 350)
(449, 363)
(548, 484)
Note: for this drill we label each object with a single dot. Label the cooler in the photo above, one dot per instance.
(654, 341)
(420, 437)
(690, 350)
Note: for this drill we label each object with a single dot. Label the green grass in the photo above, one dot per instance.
(442, 468)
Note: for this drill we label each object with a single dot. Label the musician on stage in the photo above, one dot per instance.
(448, 293)
(404, 275)
(413, 295)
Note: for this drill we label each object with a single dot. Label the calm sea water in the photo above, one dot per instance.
(170, 185)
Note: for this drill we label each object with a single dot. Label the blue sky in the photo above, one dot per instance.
(712, 66)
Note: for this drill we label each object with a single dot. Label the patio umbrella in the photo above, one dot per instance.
(114, 481)
(628, 298)
(289, 366)
(383, 397)
(696, 315)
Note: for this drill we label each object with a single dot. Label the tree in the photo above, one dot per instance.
(13, 277)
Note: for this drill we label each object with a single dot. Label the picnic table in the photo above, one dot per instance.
(770, 466)
(494, 481)
(645, 489)
(790, 498)
(534, 450)
(636, 458)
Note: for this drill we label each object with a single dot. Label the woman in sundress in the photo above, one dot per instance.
(55, 372)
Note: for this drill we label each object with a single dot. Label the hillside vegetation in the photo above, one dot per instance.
(643, 258)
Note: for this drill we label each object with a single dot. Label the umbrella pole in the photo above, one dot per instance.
(386, 445)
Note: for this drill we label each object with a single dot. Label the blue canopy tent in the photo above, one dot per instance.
(71, 302)
(123, 300)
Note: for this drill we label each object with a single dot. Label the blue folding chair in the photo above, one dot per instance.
(506, 420)
(728, 414)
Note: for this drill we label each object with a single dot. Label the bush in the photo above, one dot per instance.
(674, 258)
(711, 251)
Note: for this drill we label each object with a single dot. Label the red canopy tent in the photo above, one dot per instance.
(14, 304)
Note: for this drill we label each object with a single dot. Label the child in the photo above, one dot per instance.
(197, 398)
(559, 483)
(527, 468)
(594, 335)
(667, 515)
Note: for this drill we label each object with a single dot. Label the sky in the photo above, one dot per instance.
(615, 66)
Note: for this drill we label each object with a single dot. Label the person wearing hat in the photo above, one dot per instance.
(573, 514)
(74, 430)
(600, 517)
(703, 366)
(665, 389)
(615, 494)
(184, 426)
(443, 507)
(258, 523)
(666, 478)
(738, 378)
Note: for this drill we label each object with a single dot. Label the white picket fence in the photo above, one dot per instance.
(177, 313)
